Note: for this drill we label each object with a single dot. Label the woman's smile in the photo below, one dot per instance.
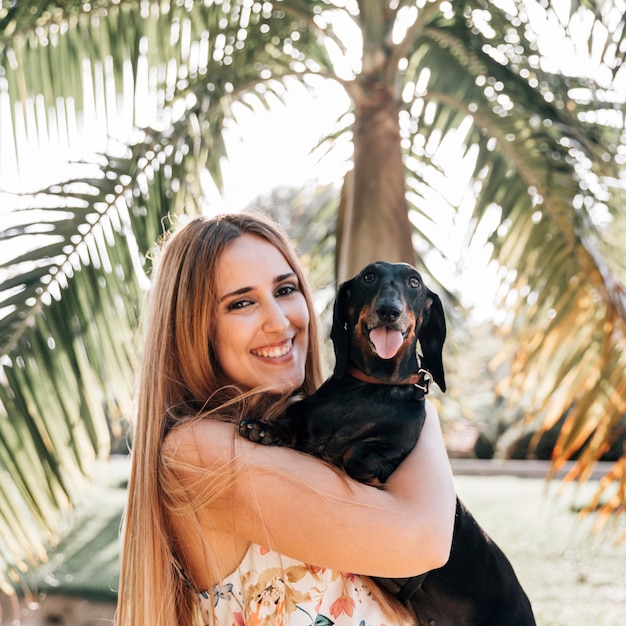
(274, 352)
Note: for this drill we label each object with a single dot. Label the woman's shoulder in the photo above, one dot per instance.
(200, 442)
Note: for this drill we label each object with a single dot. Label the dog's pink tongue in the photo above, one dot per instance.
(386, 341)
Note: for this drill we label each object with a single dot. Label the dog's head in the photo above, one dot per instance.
(378, 317)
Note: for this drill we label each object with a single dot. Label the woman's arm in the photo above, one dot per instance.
(300, 507)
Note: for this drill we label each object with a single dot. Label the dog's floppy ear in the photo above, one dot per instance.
(432, 335)
(339, 332)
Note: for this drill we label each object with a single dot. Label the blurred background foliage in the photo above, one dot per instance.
(463, 141)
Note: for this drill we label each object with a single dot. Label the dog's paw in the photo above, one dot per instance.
(259, 431)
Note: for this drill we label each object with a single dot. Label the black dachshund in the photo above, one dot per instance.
(368, 416)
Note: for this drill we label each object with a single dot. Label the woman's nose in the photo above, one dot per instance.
(275, 319)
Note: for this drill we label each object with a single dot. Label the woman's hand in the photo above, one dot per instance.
(299, 506)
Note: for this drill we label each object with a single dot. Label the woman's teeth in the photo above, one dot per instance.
(274, 353)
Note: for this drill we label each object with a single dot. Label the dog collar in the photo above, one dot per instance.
(421, 380)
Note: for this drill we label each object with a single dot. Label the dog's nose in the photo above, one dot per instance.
(388, 313)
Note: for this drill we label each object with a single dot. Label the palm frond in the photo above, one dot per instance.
(546, 166)
(152, 84)
(155, 81)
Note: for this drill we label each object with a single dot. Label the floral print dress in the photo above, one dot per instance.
(268, 589)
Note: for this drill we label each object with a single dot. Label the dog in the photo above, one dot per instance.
(368, 416)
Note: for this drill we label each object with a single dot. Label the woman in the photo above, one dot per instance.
(224, 531)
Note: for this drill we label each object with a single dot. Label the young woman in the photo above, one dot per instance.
(219, 530)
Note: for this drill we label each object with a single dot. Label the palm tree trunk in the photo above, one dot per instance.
(373, 216)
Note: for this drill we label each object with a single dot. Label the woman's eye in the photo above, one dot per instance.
(238, 304)
(286, 290)
(414, 281)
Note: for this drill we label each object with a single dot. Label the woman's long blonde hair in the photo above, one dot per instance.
(180, 379)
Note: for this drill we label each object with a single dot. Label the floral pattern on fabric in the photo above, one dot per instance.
(268, 589)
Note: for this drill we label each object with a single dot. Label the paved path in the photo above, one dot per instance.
(522, 468)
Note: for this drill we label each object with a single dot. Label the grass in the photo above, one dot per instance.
(573, 578)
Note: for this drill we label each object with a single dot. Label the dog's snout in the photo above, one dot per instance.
(388, 312)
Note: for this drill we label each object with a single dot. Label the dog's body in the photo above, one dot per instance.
(368, 416)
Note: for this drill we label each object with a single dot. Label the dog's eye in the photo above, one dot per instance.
(414, 282)
(369, 277)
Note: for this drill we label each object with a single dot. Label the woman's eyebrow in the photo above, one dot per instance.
(237, 292)
(281, 277)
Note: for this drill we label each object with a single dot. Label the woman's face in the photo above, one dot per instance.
(262, 321)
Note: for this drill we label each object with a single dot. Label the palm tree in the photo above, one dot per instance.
(154, 82)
